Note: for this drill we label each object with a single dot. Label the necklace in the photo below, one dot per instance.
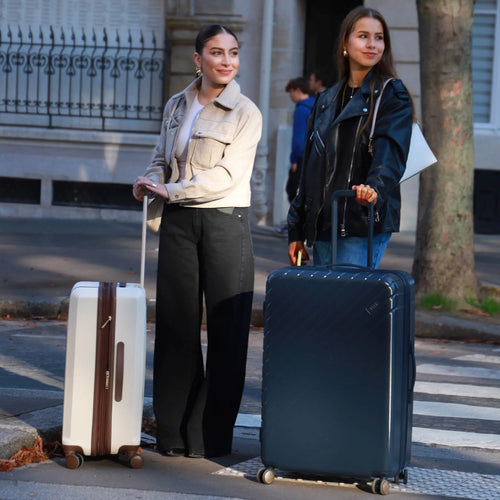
(349, 96)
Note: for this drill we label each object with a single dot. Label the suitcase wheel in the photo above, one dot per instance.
(402, 475)
(265, 476)
(381, 486)
(74, 460)
(136, 461)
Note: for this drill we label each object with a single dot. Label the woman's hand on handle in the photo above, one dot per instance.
(365, 194)
(293, 252)
(144, 186)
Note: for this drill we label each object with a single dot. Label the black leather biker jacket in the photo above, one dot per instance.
(381, 169)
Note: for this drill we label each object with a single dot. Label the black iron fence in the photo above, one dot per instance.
(75, 82)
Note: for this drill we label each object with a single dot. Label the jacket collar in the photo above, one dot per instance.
(228, 98)
(359, 105)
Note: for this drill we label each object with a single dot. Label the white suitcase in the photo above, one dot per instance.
(105, 370)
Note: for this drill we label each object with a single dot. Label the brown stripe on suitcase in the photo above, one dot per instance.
(103, 383)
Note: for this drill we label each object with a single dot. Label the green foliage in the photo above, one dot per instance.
(490, 306)
(487, 305)
(438, 301)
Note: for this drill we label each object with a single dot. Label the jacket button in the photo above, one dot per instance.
(365, 110)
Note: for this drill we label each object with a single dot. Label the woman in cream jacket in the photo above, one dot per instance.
(201, 168)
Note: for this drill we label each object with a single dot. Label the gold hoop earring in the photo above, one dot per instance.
(345, 53)
(198, 71)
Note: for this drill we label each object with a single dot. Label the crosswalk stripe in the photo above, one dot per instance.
(455, 410)
(28, 370)
(421, 435)
(455, 438)
(480, 358)
(248, 420)
(459, 371)
(463, 390)
(425, 408)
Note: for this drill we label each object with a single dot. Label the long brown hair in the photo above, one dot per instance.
(385, 67)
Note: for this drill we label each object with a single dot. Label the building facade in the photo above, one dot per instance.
(83, 82)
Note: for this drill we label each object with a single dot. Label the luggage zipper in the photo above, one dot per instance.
(105, 340)
(106, 383)
(343, 231)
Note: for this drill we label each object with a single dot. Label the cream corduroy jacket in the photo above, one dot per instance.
(221, 150)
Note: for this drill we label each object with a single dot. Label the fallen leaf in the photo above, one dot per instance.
(477, 312)
(24, 456)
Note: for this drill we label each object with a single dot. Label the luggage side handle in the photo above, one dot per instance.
(120, 368)
(349, 193)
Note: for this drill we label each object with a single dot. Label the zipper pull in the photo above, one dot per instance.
(106, 384)
(106, 322)
(342, 231)
(377, 217)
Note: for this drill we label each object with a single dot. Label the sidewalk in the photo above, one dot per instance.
(41, 260)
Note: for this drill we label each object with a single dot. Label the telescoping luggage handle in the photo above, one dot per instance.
(143, 239)
(349, 193)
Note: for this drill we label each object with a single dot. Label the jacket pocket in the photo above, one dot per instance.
(208, 149)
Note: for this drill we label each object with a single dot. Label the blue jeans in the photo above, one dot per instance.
(350, 250)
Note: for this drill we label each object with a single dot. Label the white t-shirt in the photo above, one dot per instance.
(181, 147)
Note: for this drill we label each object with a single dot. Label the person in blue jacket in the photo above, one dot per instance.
(298, 88)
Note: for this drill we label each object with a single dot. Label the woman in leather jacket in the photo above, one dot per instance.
(338, 154)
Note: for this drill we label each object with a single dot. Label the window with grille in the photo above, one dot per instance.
(485, 62)
(83, 64)
(60, 79)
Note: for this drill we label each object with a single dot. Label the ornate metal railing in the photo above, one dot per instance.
(81, 83)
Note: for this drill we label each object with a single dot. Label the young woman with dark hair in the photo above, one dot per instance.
(201, 168)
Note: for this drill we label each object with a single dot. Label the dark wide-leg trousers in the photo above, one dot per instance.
(205, 253)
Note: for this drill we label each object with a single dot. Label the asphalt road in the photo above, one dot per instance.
(456, 433)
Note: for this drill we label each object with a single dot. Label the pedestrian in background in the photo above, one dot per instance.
(202, 167)
(319, 81)
(338, 154)
(298, 89)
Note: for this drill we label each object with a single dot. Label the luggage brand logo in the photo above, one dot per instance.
(371, 309)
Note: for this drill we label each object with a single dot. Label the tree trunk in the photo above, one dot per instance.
(444, 253)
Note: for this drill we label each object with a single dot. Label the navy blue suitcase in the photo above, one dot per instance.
(338, 372)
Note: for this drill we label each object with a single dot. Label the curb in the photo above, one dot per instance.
(53, 308)
(451, 328)
(22, 430)
(428, 324)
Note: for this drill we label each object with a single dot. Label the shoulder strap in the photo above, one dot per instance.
(375, 112)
